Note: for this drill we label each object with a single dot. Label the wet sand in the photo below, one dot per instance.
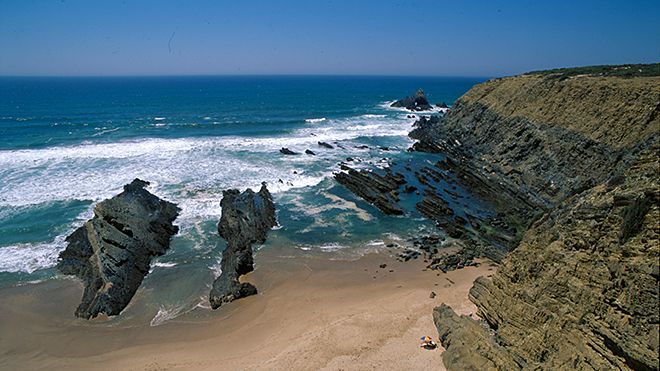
(311, 313)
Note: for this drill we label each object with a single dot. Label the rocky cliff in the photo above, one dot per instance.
(580, 291)
(246, 219)
(112, 251)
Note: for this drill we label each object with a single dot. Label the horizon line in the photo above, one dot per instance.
(248, 75)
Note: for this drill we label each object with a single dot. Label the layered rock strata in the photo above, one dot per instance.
(112, 252)
(246, 219)
(580, 291)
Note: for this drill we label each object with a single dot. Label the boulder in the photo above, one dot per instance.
(246, 219)
(310, 152)
(112, 252)
(326, 145)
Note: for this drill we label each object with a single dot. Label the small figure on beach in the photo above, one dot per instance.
(427, 343)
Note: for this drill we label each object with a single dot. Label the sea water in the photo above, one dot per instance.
(68, 143)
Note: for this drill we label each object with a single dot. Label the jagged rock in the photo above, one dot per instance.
(468, 346)
(441, 105)
(379, 190)
(326, 145)
(418, 102)
(309, 152)
(437, 209)
(580, 291)
(112, 251)
(246, 219)
(286, 151)
(408, 254)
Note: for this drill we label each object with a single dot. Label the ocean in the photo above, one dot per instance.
(67, 143)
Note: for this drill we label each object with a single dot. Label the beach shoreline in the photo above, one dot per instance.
(311, 313)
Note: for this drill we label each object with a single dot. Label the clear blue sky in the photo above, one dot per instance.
(411, 37)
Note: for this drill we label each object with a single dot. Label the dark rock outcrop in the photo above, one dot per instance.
(379, 190)
(325, 145)
(417, 102)
(286, 151)
(112, 251)
(310, 152)
(246, 219)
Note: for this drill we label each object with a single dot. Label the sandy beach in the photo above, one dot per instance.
(311, 313)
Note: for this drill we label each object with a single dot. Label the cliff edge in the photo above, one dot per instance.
(580, 290)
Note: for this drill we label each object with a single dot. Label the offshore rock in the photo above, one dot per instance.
(417, 102)
(112, 251)
(246, 219)
(286, 151)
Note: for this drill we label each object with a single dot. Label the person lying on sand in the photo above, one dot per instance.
(427, 343)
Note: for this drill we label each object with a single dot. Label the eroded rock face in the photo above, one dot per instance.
(112, 251)
(417, 102)
(581, 289)
(246, 219)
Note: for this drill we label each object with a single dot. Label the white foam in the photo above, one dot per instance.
(169, 312)
(434, 109)
(30, 257)
(192, 172)
(314, 121)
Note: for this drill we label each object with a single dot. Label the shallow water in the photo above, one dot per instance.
(67, 143)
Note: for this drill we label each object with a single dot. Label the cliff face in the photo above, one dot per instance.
(551, 135)
(580, 291)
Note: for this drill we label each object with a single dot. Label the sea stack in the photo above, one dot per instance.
(112, 251)
(246, 219)
(417, 102)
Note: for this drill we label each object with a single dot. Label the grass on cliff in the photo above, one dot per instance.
(624, 70)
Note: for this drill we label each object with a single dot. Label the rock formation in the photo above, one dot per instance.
(575, 154)
(286, 151)
(579, 292)
(379, 190)
(246, 219)
(112, 251)
(417, 102)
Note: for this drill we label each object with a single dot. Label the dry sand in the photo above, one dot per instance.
(311, 314)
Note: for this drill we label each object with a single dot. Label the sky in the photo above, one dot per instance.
(329, 37)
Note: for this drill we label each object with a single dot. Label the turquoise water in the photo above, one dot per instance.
(67, 143)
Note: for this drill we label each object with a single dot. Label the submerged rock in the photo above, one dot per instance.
(246, 219)
(112, 251)
(417, 102)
